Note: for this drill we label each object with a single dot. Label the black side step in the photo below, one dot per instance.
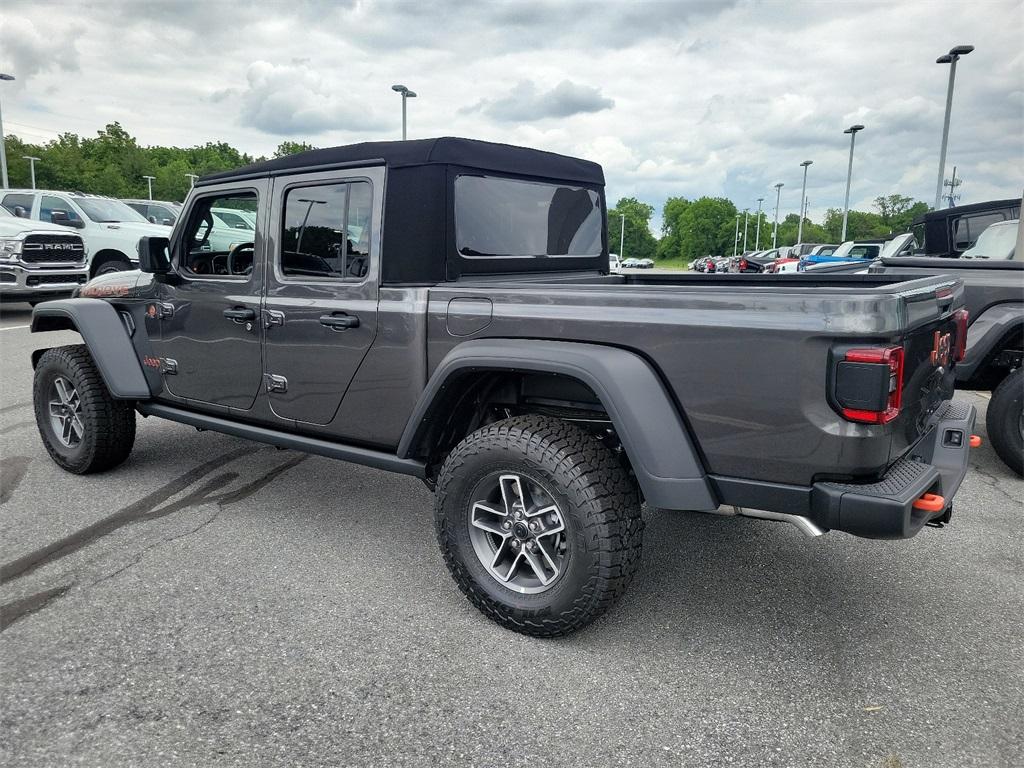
(356, 455)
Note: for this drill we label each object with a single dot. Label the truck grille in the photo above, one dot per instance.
(40, 249)
(33, 280)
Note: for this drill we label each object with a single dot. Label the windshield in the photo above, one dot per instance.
(997, 242)
(511, 218)
(103, 210)
(903, 244)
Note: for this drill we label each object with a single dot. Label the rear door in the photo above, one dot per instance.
(320, 312)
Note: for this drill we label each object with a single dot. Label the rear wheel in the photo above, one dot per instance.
(83, 427)
(113, 265)
(1005, 421)
(539, 524)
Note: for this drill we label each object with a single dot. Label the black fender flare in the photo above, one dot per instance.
(653, 433)
(104, 334)
(984, 334)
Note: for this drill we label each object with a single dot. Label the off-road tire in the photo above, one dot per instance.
(598, 500)
(109, 424)
(1003, 421)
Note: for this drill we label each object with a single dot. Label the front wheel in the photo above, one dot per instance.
(1005, 421)
(539, 524)
(114, 265)
(83, 427)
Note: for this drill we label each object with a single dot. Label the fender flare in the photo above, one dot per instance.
(985, 332)
(106, 338)
(653, 434)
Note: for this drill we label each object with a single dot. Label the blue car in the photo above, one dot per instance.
(846, 253)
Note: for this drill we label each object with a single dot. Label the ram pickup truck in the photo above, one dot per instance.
(993, 277)
(444, 309)
(38, 261)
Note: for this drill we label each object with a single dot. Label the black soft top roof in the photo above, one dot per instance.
(467, 153)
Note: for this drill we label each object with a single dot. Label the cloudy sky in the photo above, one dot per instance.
(693, 98)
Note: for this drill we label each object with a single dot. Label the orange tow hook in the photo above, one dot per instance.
(930, 502)
(975, 441)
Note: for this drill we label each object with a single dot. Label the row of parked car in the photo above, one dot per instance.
(52, 241)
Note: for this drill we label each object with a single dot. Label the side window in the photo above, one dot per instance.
(968, 228)
(326, 231)
(50, 205)
(18, 200)
(211, 248)
(161, 214)
(140, 207)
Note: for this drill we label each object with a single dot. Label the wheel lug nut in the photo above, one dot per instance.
(515, 544)
(506, 524)
(534, 526)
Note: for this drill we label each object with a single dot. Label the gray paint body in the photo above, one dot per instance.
(725, 376)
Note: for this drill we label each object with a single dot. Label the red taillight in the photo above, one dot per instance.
(961, 317)
(892, 357)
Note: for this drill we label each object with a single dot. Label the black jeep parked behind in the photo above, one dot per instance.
(443, 308)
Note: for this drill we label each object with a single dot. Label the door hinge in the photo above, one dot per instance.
(275, 383)
(272, 317)
(168, 365)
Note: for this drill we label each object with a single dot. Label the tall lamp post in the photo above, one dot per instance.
(149, 181)
(757, 239)
(746, 218)
(736, 237)
(406, 94)
(622, 236)
(3, 145)
(32, 166)
(950, 58)
(852, 130)
(803, 195)
(775, 227)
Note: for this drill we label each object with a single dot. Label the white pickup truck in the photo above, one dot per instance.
(39, 261)
(109, 228)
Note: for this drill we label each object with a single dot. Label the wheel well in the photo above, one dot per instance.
(478, 398)
(1000, 362)
(102, 257)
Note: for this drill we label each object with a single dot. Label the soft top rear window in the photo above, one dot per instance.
(509, 218)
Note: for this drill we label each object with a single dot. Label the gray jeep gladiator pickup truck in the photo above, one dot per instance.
(444, 309)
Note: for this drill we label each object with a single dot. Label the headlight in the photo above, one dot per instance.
(10, 249)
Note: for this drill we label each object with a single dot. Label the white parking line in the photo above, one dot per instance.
(14, 327)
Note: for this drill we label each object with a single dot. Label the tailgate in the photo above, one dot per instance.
(935, 329)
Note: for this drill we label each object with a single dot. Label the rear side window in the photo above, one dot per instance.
(497, 217)
(967, 229)
(18, 200)
(326, 231)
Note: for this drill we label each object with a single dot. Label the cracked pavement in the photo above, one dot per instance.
(214, 602)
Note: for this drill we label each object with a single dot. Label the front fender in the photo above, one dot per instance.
(104, 334)
(986, 332)
(645, 417)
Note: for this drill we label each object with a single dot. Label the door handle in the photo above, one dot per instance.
(339, 321)
(238, 314)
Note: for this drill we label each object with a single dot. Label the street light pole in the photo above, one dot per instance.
(757, 239)
(803, 195)
(3, 145)
(950, 58)
(852, 130)
(622, 237)
(192, 179)
(746, 218)
(736, 237)
(32, 165)
(149, 180)
(775, 227)
(406, 94)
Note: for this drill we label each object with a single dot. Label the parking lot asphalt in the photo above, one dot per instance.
(214, 602)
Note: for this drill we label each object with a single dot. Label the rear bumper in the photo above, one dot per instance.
(883, 509)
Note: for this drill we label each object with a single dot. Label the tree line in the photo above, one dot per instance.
(113, 163)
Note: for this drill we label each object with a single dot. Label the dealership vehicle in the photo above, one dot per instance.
(614, 263)
(758, 260)
(646, 264)
(38, 261)
(951, 231)
(156, 211)
(850, 252)
(631, 264)
(472, 336)
(993, 275)
(109, 228)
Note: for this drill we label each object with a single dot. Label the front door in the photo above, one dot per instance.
(209, 344)
(320, 312)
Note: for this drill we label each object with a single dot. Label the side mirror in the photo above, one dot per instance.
(62, 218)
(20, 212)
(152, 219)
(154, 255)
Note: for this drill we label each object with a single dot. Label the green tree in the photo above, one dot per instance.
(898, 211)
(292, 148)
(639, 242)
(861, 225)
(670, 244)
